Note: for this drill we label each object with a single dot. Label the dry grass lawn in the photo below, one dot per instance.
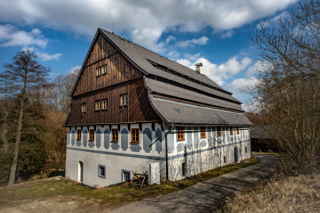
(297, 191)
(69, 196)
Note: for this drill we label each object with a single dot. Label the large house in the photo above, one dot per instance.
(132, 107)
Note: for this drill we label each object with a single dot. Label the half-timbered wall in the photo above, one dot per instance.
(119, 69)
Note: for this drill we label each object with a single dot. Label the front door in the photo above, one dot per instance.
(236, 154)
(80, 172)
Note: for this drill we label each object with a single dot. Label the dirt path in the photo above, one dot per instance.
(208, 195)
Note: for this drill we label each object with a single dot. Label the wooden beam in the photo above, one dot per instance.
(162, 128)
(129, 127)
(110, 127)
(119, 127)
(153, 126)
(140, 126)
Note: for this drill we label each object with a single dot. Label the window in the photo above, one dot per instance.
(224, 159)
(126, 176)
(245, 149)
(183, 169)
(98, 71)
(104, 69)
(104, 104)
(102, 171)
(238, 132)
(114, 135)
(219, 131)
(91, 135)
(124, 100)
(79, 134)
(97, 105)
(135, 135)
(83, 108)
(180, 133)
(231, 132)
(203, 132)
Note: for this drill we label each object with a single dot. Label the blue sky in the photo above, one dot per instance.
(213, 32)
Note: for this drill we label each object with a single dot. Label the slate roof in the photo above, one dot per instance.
(260, 133)
(181, 82)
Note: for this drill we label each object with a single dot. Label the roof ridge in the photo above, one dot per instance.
(218, 88)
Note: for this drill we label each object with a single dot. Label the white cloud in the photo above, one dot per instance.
(256, 67)
(192, 57)
(191, 43)
(144, 21)
(222, 72)
(238, 86)
(42, 55)
(11, 36)
(73, 69)
(228, 34)
(274, 20)
(173, 54)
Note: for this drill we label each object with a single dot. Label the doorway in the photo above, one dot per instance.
(80, 172)
(236, 157)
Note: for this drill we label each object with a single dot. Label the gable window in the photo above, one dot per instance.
(98, 105)
(203, 132)
(98, 71)
(79, 134)
(104, 104)
(231, 132)
(114, 135)
(124, 100)
(102, 171)
(104, 69)
(91, 135)
(83, 108)
(238, 132)
(219, 131)
(135, 135)
(180, 133)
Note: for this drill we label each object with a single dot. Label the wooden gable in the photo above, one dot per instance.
(119, 69)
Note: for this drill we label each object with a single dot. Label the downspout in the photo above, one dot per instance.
(165, 137)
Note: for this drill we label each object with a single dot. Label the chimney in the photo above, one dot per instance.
(199, 68)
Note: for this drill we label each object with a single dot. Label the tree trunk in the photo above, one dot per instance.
(4, 130)
(17, 147)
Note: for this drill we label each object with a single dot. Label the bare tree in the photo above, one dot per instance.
(288, 89)
(21, 76)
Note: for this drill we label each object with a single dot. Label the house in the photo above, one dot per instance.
(262, 140)
(132, 107)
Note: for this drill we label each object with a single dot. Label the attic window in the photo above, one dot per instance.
(98, 71)
(83, 108)
(219, 131)
(238, 131)
(203, 132)
(231, 132)
(124, 100)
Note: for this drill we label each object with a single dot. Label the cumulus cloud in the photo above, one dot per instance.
(42, 55)
(74, 69)
(219, 73)
(238, 86)
(144, 21)
(12, 36)
(191, 43)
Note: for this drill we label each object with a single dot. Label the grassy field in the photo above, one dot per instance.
(67, 190)
(268, 153)
(294, 191)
